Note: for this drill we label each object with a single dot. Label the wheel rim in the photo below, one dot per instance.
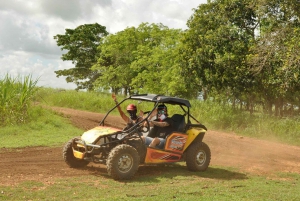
(125, 163)
(201, 158)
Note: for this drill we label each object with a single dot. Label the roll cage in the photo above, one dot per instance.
(158, 99)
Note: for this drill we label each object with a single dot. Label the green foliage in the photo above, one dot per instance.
(114, 61)
(247, 49)
(15, 99)
(81, 44)
(139, 59)
(156, 66)
(216, 45)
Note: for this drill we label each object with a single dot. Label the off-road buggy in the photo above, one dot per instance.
(122, 151)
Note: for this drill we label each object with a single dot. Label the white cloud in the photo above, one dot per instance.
(27, 29)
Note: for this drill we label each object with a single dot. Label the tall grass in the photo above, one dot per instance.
(15, 99)
(258, 125)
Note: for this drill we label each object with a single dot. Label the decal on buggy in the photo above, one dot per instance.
(175, 142)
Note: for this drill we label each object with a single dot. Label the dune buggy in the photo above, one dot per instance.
(122, 151)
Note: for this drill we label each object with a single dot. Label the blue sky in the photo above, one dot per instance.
(27, 28)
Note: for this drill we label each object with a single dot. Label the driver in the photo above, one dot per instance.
(131, 110)
(162, 127)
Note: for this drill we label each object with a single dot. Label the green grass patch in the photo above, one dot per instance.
(46, 128)
(91, 101)
(174, 183)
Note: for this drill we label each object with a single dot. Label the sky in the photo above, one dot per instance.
(27, 29)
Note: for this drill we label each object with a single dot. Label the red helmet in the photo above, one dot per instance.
(131, 107)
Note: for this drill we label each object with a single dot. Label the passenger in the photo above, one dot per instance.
(132, 111)
(162, 127)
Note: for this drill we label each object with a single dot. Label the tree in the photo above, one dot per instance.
(81, 44)
(115, 59)
(134, 59)
(156, 63)
(215, 46)
(275, 58)
(246, 49)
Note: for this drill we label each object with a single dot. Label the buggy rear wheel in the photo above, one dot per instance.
(69, 157)
(123, 162)
(198, 156)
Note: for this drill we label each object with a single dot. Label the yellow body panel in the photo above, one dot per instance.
(78, 154)
(91, 135)
(192, 134)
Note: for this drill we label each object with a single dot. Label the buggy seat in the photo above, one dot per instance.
(179, 122)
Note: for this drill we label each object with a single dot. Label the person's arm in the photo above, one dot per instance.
(159, 124)
(150, 117)
(122, 114)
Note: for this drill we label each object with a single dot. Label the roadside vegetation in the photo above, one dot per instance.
(23, 122)
(15, 99)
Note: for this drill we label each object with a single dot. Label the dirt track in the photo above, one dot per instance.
(247, 154)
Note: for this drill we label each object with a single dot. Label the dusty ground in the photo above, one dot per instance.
(246, 154)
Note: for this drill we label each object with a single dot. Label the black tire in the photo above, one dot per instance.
(70, 159)
(198, 156)
(123, 162)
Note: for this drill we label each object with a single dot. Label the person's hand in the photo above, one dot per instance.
(153, 114)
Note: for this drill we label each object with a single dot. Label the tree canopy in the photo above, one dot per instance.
(81, 44)
(138, 59)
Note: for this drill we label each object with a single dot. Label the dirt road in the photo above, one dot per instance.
(246, 154)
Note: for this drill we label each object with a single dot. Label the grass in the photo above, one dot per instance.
(48, 129)
(175, 183)
(91, 101)
(261, 126)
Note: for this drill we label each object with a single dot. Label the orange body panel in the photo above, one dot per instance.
(160, 156)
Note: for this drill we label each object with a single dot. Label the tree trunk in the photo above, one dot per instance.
(279, 107)
(268, 104)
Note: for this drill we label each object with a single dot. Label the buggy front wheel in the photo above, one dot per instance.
(123, 162)
(69, 157)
